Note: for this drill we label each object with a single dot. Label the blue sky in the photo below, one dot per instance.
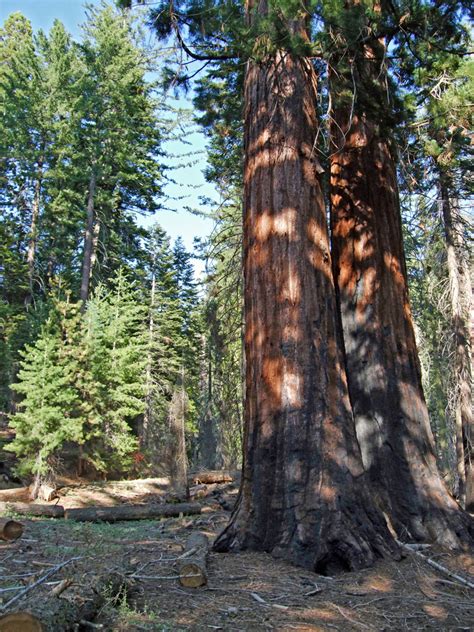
(42, 14)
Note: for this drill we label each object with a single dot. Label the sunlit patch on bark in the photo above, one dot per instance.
(291, 286)
(282, 223)
(291, 332)
(327, 494)
(284, 383)
(291, 389)
(317, 234)
(370, 437)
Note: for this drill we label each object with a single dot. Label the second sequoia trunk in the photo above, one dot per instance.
(369, 267)
(303, 495)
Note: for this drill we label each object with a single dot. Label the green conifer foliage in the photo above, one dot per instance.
(221, 410)
(118, 140)
(173, 361)
(116, 342)
(50, 411)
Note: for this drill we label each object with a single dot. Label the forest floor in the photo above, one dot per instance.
(246, 591)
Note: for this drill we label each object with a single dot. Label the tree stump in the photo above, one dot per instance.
(47, 493)
(193, 563)
(20, 622)
(10, 529)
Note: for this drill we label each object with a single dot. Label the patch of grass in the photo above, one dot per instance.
(125, 617)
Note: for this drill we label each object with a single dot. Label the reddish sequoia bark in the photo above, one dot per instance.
(303, 495)
(381, 357)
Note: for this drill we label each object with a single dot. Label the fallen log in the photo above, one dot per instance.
(201, 490)
(20, 622)
(214, 476)
(32, 509)
(10, 529)
(16, 493)
(193, 562)
(131, 512)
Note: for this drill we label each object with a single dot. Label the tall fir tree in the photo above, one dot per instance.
(116, 347)
(51, 409)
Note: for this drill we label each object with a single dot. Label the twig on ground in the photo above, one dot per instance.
(353, 621)
(258, 598)
(61, 587)
(37, 582)
(437, 566)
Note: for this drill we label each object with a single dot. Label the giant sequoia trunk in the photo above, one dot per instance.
(461, 300)
(303, 495)
(381, 357)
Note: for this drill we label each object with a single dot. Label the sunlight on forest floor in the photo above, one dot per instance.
(247, 591)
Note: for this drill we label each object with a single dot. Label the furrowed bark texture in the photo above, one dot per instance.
(302, 496)
(381, 357)
(178, 463)
(461, 299)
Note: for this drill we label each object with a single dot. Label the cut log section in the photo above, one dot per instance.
(32, 509)
(193, 562)
(20, 622)
(10, 529)
(47, 493)
(131, 512)
(214, 476)
(16, 493)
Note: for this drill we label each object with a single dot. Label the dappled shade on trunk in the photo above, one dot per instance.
(303, 496)
(382, 364)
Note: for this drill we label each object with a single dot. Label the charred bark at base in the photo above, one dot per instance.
(303, 495)
(381, 357)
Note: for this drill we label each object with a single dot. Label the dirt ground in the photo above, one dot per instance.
(246, 591)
